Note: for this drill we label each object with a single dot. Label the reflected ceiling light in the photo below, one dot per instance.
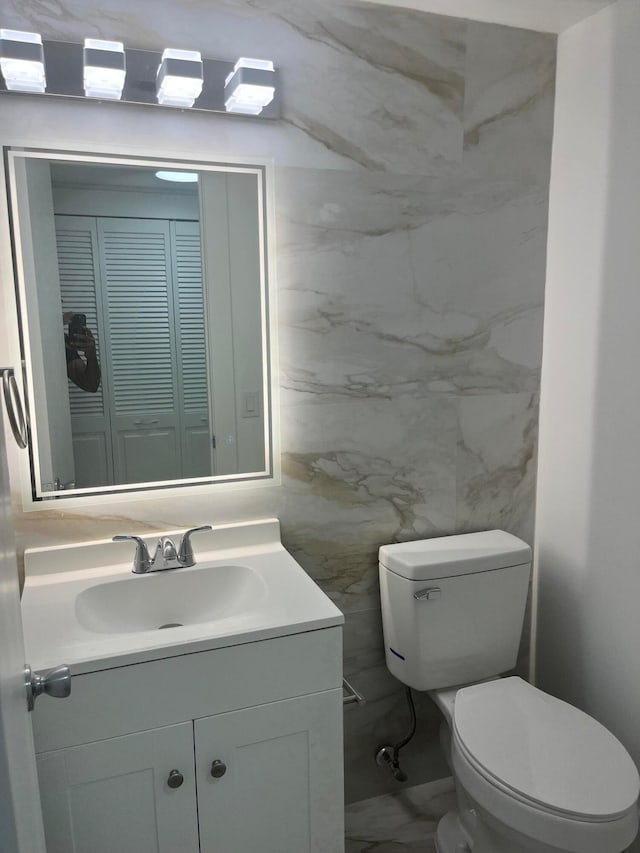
(179, 80)
(250, 86)
(104, 68)
(22, 61)
(179, 177)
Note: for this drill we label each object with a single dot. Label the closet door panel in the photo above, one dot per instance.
(92, 457)
(79, 269)
(136, 267)
(148, 454)
(191, 340)
(197, 443)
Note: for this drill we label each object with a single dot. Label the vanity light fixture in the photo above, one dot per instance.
(250, 87)
(104, 69)
(22, 61)
(97, 69)
(178, 177)
(179, 80)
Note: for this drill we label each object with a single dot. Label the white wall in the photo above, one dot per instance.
(50, 397)
(588, 516)
(107, 201)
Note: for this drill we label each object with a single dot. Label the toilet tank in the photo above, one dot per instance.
(453, 607)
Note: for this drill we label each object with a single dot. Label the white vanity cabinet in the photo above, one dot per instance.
(113, 795)
(268, 713)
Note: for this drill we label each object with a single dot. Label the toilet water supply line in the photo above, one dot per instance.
(389, 756)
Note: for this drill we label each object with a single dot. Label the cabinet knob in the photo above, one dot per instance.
(175, 779)
(218, 768)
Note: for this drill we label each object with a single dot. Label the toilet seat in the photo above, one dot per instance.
(542, 766)
(544, 751)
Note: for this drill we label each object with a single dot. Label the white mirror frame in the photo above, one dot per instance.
(12, 284)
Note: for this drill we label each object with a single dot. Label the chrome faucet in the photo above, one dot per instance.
(166, 555)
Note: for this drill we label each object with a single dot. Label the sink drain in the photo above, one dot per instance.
(171, 625)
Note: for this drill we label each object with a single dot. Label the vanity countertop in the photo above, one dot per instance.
(83, 606)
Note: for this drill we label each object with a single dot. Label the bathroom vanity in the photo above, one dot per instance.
(222, 734)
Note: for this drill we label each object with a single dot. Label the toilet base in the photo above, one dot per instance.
(481, 833)
(450, 837)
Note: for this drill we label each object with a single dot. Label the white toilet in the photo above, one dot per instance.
(532, 773)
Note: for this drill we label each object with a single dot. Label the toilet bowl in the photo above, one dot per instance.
(533, 774)
(536, 774)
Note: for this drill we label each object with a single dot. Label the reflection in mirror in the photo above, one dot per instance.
(143, 316)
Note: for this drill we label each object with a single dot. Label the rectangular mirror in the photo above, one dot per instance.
(143, 298)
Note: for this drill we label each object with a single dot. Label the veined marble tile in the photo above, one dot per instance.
(362, 452)
(359, 473)
(153, 132)
(496, 463)
(383, 719)
(363, 87)
(400, 821)
(391, 289)
(363, 641)
(319, 210)
(509, 103)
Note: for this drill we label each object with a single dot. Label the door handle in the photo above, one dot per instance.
(15, 411)
(55, 683)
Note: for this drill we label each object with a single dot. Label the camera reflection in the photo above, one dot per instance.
(83, 372)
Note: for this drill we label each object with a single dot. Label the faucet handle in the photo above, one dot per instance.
(185, 554)
(141, 560)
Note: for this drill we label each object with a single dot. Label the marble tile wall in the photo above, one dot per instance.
(412, 167)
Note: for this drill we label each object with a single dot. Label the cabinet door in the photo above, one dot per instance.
(282, 791)
(113, 797)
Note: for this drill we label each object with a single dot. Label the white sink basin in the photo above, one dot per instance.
(83, 606)
(170, 599)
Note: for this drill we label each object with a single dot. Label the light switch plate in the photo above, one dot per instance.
(250, 404)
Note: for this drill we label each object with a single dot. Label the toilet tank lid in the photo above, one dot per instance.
(449, 556)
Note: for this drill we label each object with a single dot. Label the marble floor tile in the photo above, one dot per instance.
(399, 822)
(387, 847)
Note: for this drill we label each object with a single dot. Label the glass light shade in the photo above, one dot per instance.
(22, 61)
(104, 69)
(178, 177)
(179, 80)
(250, 86)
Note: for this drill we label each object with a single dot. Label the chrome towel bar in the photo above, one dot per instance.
(349, 694)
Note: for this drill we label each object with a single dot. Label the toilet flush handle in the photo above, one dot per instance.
(432, 593)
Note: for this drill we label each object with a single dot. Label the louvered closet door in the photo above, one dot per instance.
(77, 243)
(193, 391)
(136, 265)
